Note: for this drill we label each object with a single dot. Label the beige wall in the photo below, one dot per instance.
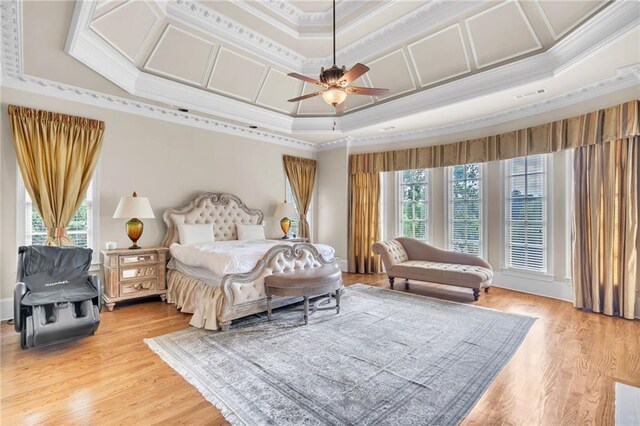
(333, 199)
(167, 162)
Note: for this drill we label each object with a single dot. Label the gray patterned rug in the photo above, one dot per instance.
(388, 358)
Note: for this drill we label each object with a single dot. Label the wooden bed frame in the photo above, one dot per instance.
(238, 295)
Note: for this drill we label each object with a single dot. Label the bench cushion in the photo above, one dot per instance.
(322, 275)
(443, 273)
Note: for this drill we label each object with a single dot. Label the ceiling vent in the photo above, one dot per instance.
(528, 95)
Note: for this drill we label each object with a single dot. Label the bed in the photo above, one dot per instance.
(224, 280)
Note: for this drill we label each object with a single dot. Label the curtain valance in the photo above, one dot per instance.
(605, 125)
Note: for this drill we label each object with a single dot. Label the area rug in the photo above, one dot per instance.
(387, 358)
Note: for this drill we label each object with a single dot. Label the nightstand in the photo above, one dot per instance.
(131, 274)
(291, 240)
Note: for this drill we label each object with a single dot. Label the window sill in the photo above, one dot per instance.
(519, 273)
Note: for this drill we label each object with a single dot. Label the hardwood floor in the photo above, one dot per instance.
(563, 373)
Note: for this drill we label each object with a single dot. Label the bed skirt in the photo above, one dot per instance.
(193, 296)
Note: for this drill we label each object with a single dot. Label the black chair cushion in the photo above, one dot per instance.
(37, 259)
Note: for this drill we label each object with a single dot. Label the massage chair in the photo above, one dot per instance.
(55, 298)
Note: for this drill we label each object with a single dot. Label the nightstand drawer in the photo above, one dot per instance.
(137, 259)
(127, 289)
(139, 273)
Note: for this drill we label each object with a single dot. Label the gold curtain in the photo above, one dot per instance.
(606, 125)
(57, 155)
(605, 227)
(301, 173)
(364, 222)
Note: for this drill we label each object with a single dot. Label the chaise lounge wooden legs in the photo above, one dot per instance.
(391, 280)
(476, 294)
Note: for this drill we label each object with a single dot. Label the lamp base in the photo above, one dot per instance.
(285, 225)
(134, 229)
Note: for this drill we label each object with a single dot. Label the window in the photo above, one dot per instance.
(293, 231)
(525, 213)
(414, 201)
(80, 228)
(465, 208)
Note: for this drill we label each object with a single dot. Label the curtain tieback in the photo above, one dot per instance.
(56, 232)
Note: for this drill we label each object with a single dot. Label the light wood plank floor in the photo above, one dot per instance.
(562, 374)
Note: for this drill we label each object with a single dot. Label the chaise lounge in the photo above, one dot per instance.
(414, 260)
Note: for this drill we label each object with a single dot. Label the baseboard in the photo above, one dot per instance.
(6, 309)
(546, 288)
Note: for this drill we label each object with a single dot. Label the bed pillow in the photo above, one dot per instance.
(250, 232)
(195, 233)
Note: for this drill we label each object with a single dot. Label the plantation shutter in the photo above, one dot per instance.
(525, 213)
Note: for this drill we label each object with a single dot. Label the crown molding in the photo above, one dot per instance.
(11, 71)
(603, 29)
(244, 38)
(314, 21)
(90, 97)
(625, 78)
(13, 77)
(238, 35)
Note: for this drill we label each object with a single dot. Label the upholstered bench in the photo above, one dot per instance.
(412, 259)
(312, 282)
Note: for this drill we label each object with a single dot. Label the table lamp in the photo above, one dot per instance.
(284, 210)
(134, 208)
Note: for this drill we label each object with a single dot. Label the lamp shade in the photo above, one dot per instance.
(285, 210)
(133, 206)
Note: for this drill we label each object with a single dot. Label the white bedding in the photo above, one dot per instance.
(231, 257)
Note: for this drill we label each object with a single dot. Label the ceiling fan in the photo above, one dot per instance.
(335, 81)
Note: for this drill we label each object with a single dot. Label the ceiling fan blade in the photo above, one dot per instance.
(371, 91)
(341, 107)
(307, 79)
(353, 74)
(307, 96)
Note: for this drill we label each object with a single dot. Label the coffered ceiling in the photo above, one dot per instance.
(228, 60)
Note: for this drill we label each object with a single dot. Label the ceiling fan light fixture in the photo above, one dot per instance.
(334, 96)
(335, 81)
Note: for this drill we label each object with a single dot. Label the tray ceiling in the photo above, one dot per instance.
(243, 49)
(448, 64)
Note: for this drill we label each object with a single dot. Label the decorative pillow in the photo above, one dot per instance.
(250, 232)
(195, 234)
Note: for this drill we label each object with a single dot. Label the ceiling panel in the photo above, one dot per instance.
(181, 55)
(562, 16)
(391, 72)
(500, 33)
(277, 88)
(236, 75)
(138, 17)
(440, 56)
(103, 6)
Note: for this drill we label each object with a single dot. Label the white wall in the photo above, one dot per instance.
(167, 162)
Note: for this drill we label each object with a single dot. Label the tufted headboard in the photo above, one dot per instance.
(224, 211)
